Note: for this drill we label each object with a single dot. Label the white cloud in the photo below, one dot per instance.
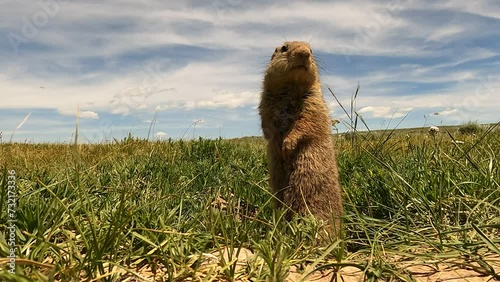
(448, 112)
(222, 100)
(225, 100)
(445, 32)
(81, 114)
(89, 114)
(384, 112)
(484, 8)
(161, 135)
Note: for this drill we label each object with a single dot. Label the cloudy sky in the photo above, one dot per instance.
(134, 65)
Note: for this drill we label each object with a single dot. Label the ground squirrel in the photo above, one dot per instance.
(297, 126)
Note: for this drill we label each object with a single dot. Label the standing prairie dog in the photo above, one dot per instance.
(297, 126)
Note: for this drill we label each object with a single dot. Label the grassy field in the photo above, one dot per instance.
(200, 210)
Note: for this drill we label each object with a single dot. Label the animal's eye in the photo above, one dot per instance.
(284, 48)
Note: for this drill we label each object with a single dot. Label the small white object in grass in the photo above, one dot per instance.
(433, 130)
(457, 142)
(160, 135)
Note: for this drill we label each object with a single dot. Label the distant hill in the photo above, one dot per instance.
(453, 129)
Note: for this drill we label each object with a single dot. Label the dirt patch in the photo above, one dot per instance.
(244, 265)
(215, 265)
(447, 270)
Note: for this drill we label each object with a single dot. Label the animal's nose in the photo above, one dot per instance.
(303, 52)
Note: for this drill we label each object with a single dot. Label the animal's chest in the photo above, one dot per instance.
(285, 115)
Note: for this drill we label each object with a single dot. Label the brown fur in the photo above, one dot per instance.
(297, 126)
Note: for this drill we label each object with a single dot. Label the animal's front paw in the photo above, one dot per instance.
(289, 146)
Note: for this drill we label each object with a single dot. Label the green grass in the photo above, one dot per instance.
(94, 211)
(470, 128)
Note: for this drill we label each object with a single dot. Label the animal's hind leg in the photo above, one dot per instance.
(278, 177)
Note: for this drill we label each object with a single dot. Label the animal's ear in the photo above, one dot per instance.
(274, 54)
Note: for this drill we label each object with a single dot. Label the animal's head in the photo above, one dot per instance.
(292, 64)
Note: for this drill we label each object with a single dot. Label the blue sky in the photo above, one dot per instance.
(123, 63)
